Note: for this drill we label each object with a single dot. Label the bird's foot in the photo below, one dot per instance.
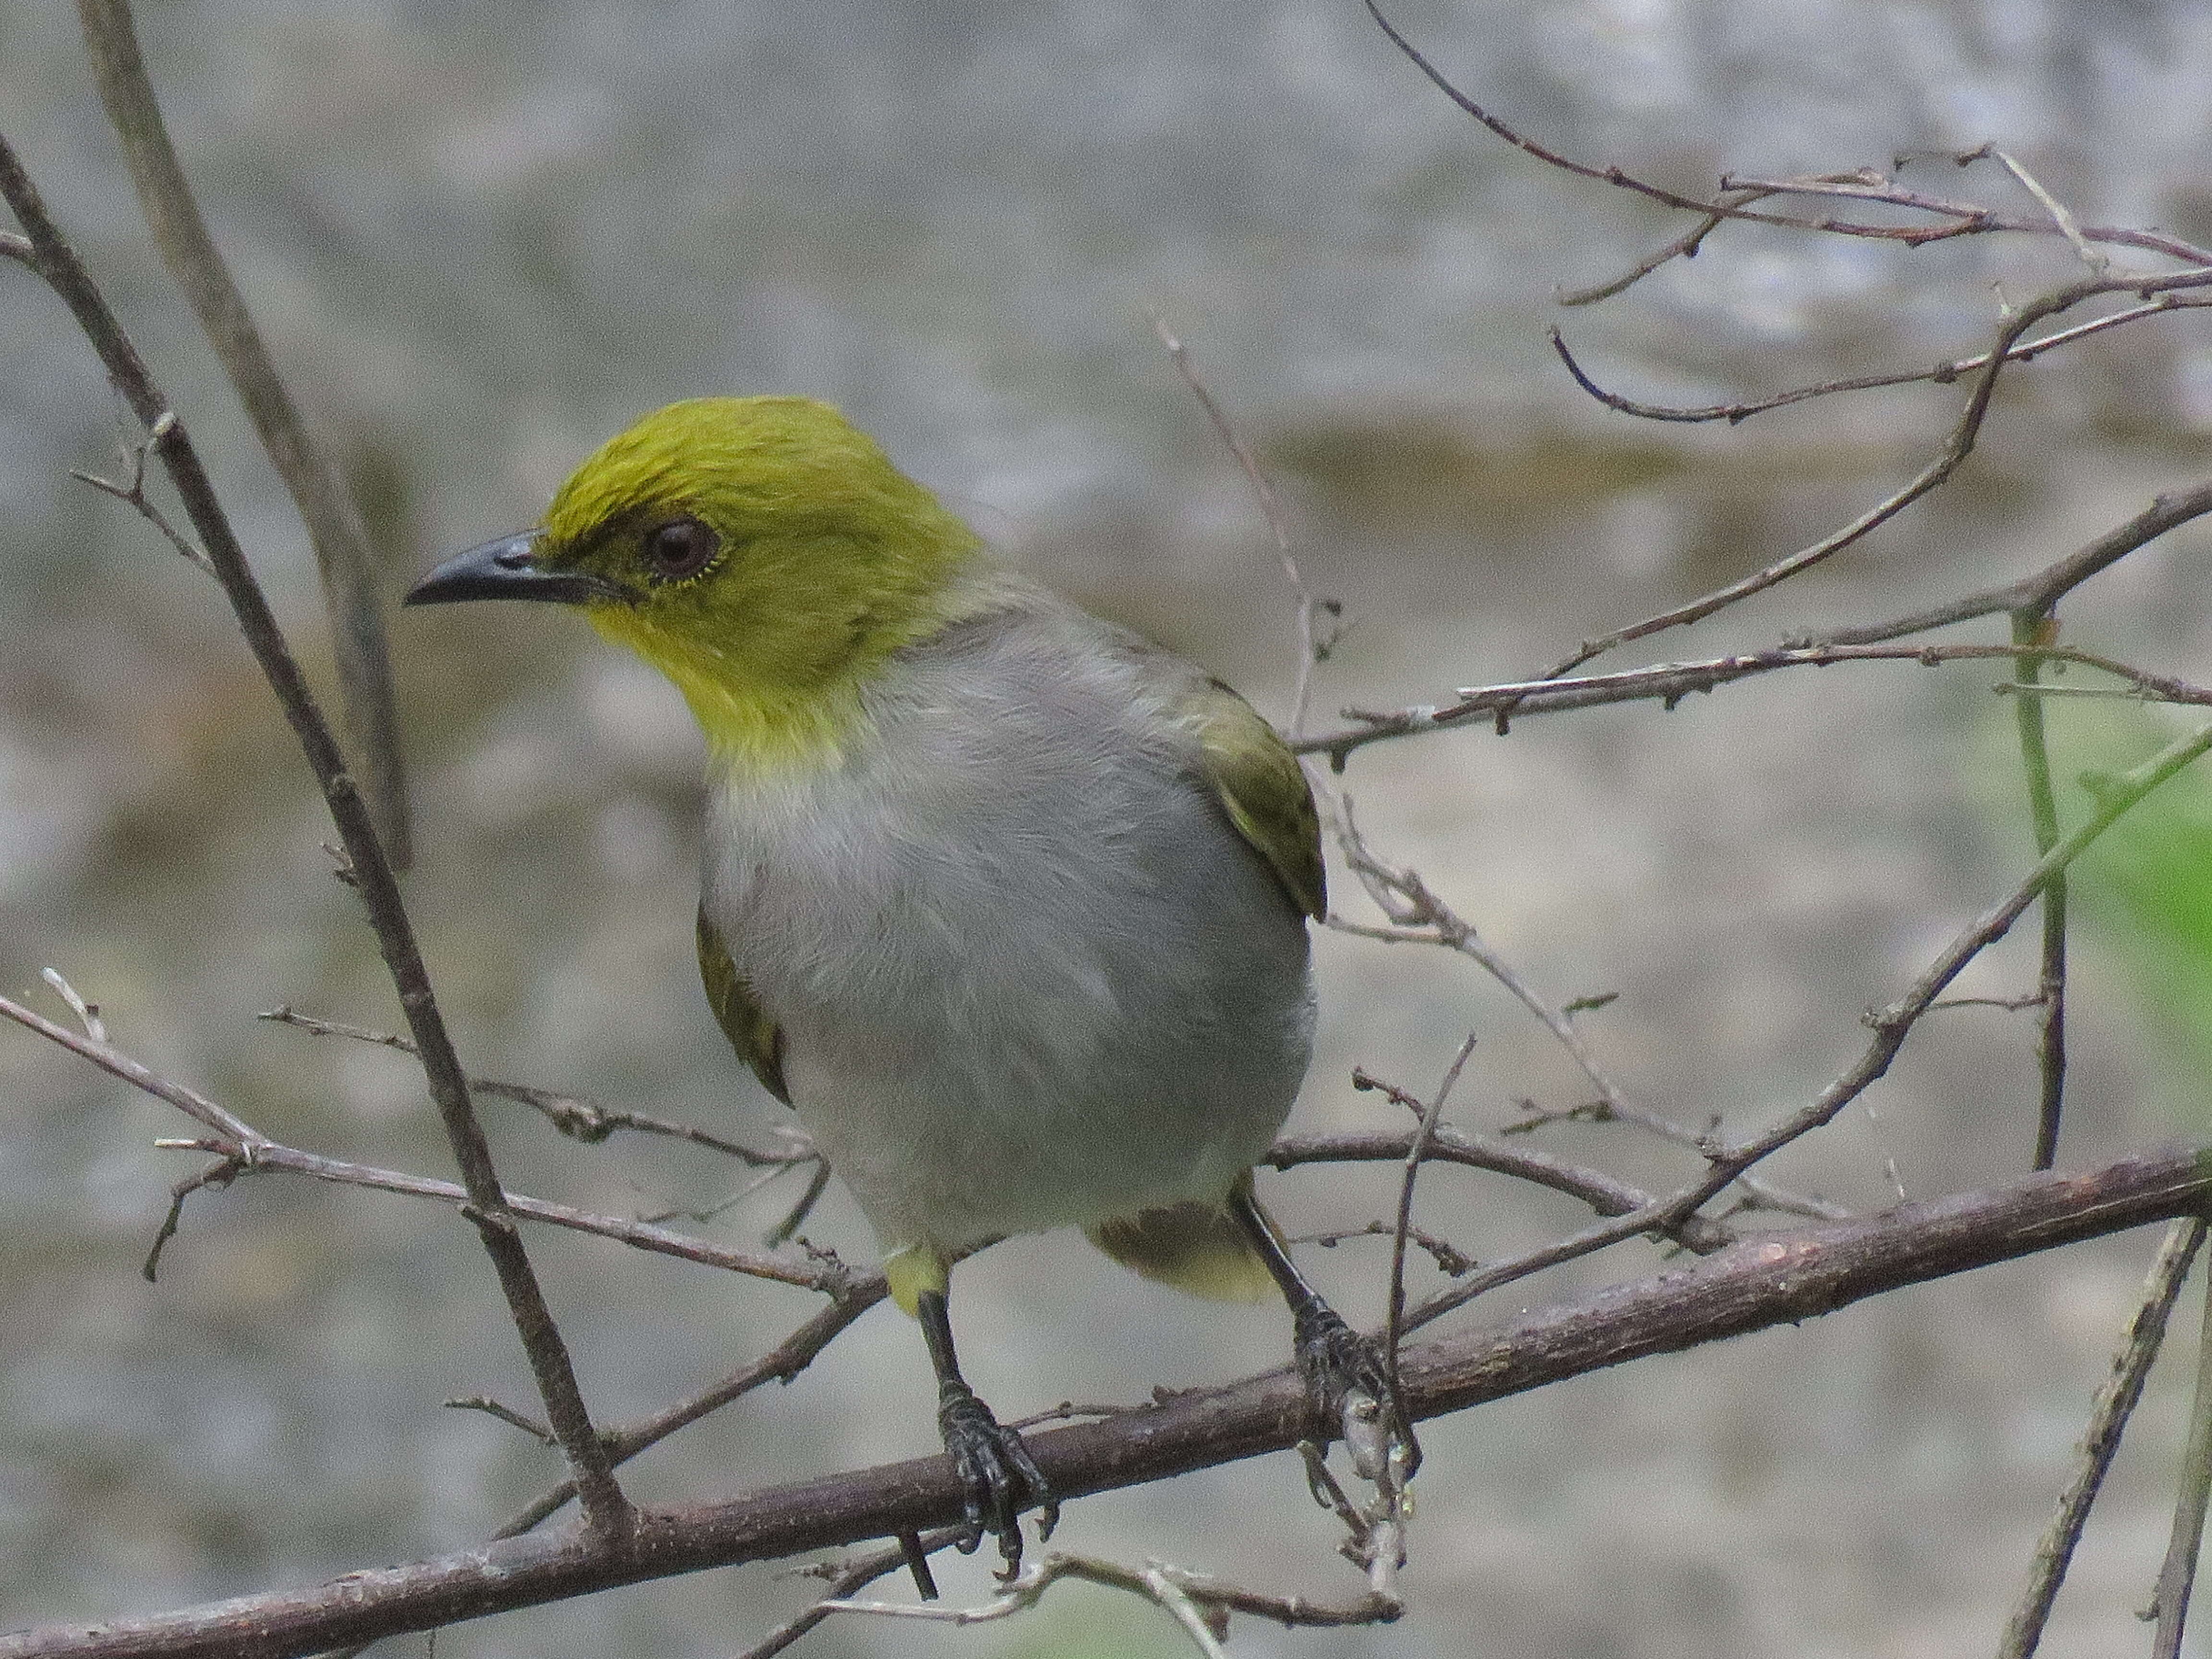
(1353, 1395)
(999, 1479)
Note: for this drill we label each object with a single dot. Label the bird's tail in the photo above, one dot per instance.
(1197, 1247)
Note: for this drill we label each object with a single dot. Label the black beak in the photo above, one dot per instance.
(507, 570)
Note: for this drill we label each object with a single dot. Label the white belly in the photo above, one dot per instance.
(1028, 975)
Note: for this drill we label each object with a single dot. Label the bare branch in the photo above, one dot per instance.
(1607, 1196)
(1960, 219)
(1312, 648)
(2100, 1439)
(572, 1114)
(1420, 917)
(2177, 1574)
(780, 1364)
(2097, 262)
(111, 1061)
(2044, 589)
(342, 552)
(373, 877)
(853, 1576)
(217, 1174)
(506, 1414)
(1891, 1025)
(250, 1151)
(1684, 247)
(1448, 1257)
(1955, 448)
(1763, 1282)
(2038, 627)
(1671, 683)
(1942, 374)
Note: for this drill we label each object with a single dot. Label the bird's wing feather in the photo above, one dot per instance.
(757, 1039)
(1262, 788)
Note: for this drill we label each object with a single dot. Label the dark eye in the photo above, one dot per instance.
(680, 548)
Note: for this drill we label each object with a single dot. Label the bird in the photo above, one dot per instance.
(1008, 903)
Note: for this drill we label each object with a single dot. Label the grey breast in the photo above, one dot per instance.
(1014, 930)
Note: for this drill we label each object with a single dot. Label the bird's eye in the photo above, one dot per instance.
(680, 548)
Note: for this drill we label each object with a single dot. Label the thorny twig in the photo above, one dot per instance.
(1956, 446)
(1891, 1025)
(1670, 684)
(1419, 915)
(236, 1140)
(572, 1114)
(1448, 1257)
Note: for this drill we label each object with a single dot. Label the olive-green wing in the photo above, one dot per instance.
(1262, 788)
(757, 1039)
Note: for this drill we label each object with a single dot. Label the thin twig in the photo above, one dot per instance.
(56, 262)
(1671, 683)
(860, 1292)
(506, 1414)
(1684, 247)
(1960, 219)
(220, 1173)
(1891, 1025)
(2097, 262)
(2041, 589)
(1956, 446)
(572, 1114)
(2101, 1438)
(2038, 627)
(133, 496)
(2177, 1574)
(1420, 915)
(115, 1062)
(1399, 1428)
(1942, 373)
(253, 1151)
(1154, 1582)
(1312, 648)
(844, 1582)
(348, 567)
(1450, 1260)
(1603, 1193)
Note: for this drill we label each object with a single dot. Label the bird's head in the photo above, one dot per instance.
(759, 552)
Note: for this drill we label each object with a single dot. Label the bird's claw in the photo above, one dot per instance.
(999, 1479)
(1352, 1395)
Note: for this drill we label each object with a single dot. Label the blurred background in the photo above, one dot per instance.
(484, 236)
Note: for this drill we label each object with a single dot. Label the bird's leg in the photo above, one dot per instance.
(997, 1478)
(1336, 1361)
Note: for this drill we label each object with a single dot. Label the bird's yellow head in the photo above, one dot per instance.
(759, 552)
